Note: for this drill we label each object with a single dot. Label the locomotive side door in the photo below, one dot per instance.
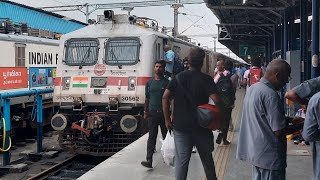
(159, 49)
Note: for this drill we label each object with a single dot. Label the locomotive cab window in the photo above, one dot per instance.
(122, 51)
(81, 52)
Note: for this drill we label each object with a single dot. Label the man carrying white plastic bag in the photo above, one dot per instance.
(168, 149)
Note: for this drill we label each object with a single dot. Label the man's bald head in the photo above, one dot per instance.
(277, 66)
(278, 73)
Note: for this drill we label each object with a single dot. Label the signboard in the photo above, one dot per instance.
(13, 77)
(41, 77)
(251, 50)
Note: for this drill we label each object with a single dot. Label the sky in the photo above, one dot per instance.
(163, 14)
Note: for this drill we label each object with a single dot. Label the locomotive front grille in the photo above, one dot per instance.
(107, 144)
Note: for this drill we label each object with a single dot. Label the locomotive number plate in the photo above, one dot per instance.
(129, 98)
(64, 98)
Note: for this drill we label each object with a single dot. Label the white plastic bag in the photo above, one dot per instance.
(168, 149)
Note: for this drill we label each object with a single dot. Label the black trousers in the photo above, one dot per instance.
(155, 120)
(225, 123)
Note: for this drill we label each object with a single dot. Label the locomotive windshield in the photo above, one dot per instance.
(122, 51)
(81, 52)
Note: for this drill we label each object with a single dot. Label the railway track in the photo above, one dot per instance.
(70, 169)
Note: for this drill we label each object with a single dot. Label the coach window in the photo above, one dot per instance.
(81, 52)
(20, 55)
(122, 51)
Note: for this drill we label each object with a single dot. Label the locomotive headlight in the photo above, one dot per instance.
(128, 123)
(98, 82)
(132, 83)
(67, 81)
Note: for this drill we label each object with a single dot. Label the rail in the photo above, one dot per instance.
(71, 168)
(5, 97)
(46, 173)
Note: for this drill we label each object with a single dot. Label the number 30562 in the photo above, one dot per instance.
(130, 98)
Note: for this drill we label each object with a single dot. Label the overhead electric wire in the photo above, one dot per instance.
(60, 2)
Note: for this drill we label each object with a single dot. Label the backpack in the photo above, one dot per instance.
(255, 74)
(226, 90)
(207, 115)
(177, 65)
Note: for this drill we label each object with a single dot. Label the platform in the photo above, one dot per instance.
(126, 163)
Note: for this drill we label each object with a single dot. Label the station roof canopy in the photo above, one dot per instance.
(248, 21)
(37, 18)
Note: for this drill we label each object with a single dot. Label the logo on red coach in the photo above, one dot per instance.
(99, 69)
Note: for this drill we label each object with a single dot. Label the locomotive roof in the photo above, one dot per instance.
(119, 26)
(125, 29)
(28, 39)
(111, 30)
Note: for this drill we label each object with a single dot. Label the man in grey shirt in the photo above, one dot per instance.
(262, 139)
(311, 132)
(305, 90)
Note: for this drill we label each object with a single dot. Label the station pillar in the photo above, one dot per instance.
(315, 39)
(269, 50)
(305, 73)
(39, 123)
(285, 34)
(292, 30)
(6, 116)
(274, 38)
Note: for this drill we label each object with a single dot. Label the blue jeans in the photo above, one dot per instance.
(267, 174)
(184, 141)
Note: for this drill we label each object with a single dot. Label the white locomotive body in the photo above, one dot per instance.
(100, 83)
(21, 57)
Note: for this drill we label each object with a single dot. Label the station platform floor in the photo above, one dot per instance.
(126, 163)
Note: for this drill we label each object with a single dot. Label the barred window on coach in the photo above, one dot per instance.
(81, 52)
(122, 51)
(20, 55)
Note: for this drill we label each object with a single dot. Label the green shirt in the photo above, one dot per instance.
(154, 92)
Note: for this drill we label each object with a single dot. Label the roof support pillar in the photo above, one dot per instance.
(305, 72)
(292, 29)
(315, 39)
(285, 33)
(268, 51)
(274, 40)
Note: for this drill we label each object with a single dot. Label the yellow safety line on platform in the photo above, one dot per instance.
(222, 152)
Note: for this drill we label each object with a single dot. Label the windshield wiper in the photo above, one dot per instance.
(85, 57)
(115, 58)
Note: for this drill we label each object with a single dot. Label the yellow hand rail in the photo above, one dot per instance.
(4, 137)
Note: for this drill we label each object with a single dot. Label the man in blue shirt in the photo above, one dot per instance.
(169, 59)
(262, 138)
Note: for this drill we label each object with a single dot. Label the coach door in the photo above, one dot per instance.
(159, 49)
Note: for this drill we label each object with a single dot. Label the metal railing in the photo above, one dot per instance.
(5, 97)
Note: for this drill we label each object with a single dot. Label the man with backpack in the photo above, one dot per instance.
(187, 131)
(226, 96)
(254, 74)
(154, 90)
